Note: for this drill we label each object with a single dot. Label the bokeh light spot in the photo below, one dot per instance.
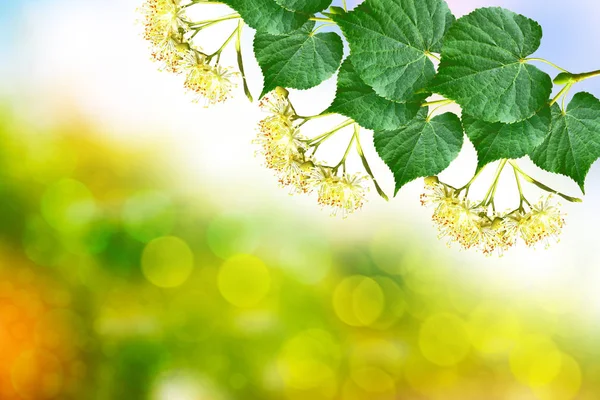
(148, 215)
(373, 380)
(307, 363)
(231, 234)
(358, 300)
(37, 375)
(535, 360)
(494, 330)
(61, 331)
(444, 340)
(566, 385)
(167, 262)
(244, 280)
(68, 206)
(308, 258)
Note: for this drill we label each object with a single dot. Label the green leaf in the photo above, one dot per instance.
(389, 41)
(423, 147)
(305, 6)
(356, 100)
(483, 66)
(573, 144)
(268, 16)
(495, 140)
(300, 60)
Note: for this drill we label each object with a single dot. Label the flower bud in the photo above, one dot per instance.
(283, 92)
(431, 180)
(564, 78)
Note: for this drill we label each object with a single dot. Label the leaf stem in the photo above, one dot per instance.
(342, 162)
(522, 198)
(442, 102)
(365, 163)
(223, 46)
(542, 186)
(562, 92)
(198, 25)
(495, 185)
(586, 75)
(432, 55)
(325, 25)
(316, 141)
(240, 60)
(547, 62)
(311, 117)
(489, 196)
(194, 2)
(468, 185)
(321, 19)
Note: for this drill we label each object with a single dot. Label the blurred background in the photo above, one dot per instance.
(145, 253)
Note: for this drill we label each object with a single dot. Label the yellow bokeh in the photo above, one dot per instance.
(68, 205)
(444, 340)
(244, 280)
(358, 300)
(494, 330)
(430, 379)
(566, 385)
(307, 364)
(167, 262)
(535, 360)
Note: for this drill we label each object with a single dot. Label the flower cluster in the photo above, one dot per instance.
(285, 151)
(213, 84)
(473, 227)
(166, 28)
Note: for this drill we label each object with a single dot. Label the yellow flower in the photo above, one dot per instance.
(213, 84)
(277, 103)
(543, 223)
(457, 219)
(164, 27)
(283, 150)
(494, 238)
(345, 193)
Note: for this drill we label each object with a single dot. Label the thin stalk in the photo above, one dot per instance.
(240, 60)
(547, 62)
(429, 54)
(586, 75)
(344, 5)
(220, 50)
(321, 138)
(437, 103)
(365, 163)
(321, 19)
(562, 104)
(495, 186)
(307, 119)
(468, 185)
(208, 21)
(311, 117)
(193, 3)
(325, 25)
(563, 91)
(492, 190)
(522, 198)
(542, 186)
(342, 162)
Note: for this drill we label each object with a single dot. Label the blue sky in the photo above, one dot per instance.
(8, 16)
